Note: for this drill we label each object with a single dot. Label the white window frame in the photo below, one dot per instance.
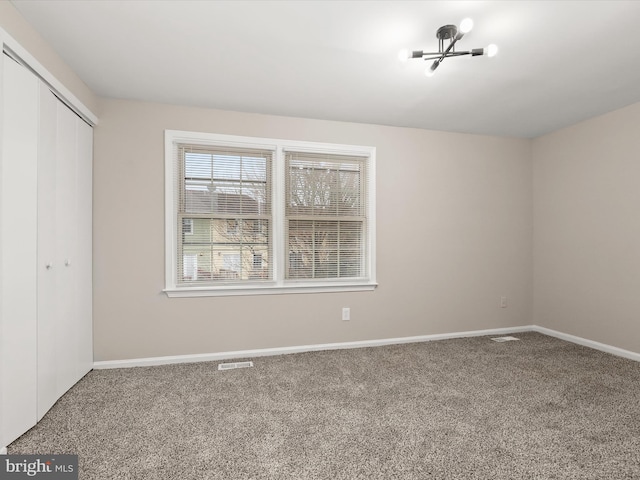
(279, 284)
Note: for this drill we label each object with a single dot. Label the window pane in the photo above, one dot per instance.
(324, 187)
(221, 253)
(324, 249)
(226, 183)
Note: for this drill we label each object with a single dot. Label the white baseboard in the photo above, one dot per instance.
(3, 451)
(620, 352)
(208, 357)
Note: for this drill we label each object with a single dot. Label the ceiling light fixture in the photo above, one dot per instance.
(453, 34)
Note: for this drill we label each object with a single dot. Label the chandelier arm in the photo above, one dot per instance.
(434, 56)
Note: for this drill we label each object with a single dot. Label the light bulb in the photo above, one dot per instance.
(429, 72)
(404, 55)
(492, 50)
(466, 25)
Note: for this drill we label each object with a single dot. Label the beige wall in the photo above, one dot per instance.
(467, 202)
(454, 234)
(587, 229)
(16, 26)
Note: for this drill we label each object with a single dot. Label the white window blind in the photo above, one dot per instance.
(223, 214)
(326, 216)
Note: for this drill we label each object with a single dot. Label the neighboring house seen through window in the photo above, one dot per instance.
(187, 226)
(261, 215)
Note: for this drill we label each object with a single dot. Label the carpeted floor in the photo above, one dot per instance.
(538, 408)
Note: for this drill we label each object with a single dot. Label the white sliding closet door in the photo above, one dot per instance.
(84, 253)
(18, 223)
(48, 263)
(66, 212)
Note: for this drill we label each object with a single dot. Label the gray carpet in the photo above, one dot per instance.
(538, 408)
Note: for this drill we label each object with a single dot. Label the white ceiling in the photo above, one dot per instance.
(560, 61)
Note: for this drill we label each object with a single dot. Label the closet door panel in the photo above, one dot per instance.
(48, 263)
(18, 210)
(66, 247)
(85, 248)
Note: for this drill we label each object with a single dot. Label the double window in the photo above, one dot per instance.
(253, 215)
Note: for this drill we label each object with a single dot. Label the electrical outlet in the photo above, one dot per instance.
(346, 313)
(503, 302)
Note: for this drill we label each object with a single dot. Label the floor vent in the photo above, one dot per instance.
(504, 339)
(231, 366)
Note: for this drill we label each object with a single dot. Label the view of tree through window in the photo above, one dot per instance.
(326, 215)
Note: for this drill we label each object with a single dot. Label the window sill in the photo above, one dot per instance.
(233, 290)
